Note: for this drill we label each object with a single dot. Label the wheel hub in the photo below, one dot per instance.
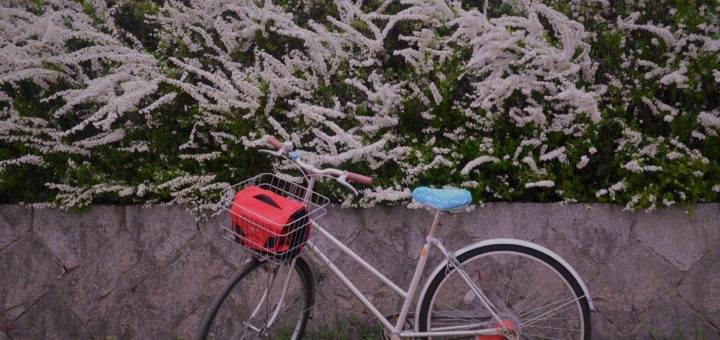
(509, 331)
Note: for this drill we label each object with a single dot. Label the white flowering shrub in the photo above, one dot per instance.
(167, 101)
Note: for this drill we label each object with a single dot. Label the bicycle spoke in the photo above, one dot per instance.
(453, 316)
(556, 287)
(565, 302)
(507, 294)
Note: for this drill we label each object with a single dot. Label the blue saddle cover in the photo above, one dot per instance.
(442, 199)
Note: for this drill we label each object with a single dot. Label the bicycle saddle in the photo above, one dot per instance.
(442, 199)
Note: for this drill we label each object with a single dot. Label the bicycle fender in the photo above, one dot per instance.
(509, 241)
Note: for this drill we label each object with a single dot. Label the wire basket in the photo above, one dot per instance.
(261, 236)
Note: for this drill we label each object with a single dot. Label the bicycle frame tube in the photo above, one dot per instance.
(362, 262)
(309, 191)
(339, 274)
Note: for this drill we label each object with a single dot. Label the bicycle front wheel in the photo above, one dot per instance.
(264, 300)
(530, 292)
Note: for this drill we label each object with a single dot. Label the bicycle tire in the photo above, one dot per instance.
(237, 301)
(449, 303)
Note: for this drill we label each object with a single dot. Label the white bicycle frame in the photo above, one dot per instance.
(397, 330)
(408, 296)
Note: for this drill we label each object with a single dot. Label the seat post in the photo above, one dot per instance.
(435, 223)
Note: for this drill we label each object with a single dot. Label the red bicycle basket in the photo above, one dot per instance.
(268, 223)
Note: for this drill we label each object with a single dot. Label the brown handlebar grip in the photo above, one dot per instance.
(362, 179)
(274, 141)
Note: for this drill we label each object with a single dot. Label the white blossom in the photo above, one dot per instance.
(558, 153)
(583, 162)
(540, 184)
(710, 121)
(26, 159)
(435, 93)
(601, 193)
(478, 161)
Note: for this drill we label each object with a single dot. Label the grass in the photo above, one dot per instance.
(700, 333)
(352, 327)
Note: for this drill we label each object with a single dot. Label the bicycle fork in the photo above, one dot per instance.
(271, 282)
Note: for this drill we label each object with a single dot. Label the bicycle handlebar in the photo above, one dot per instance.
(362, 179)
(274, 141)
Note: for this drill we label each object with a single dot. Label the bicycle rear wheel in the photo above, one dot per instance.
(252, 304)
(528, 289)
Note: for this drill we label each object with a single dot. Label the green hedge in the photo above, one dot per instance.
(651, 70)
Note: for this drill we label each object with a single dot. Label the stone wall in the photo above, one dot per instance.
(133, 272)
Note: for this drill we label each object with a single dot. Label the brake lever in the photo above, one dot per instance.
(344, 182)
(286, 148)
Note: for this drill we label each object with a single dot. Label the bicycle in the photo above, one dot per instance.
(492, 289)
